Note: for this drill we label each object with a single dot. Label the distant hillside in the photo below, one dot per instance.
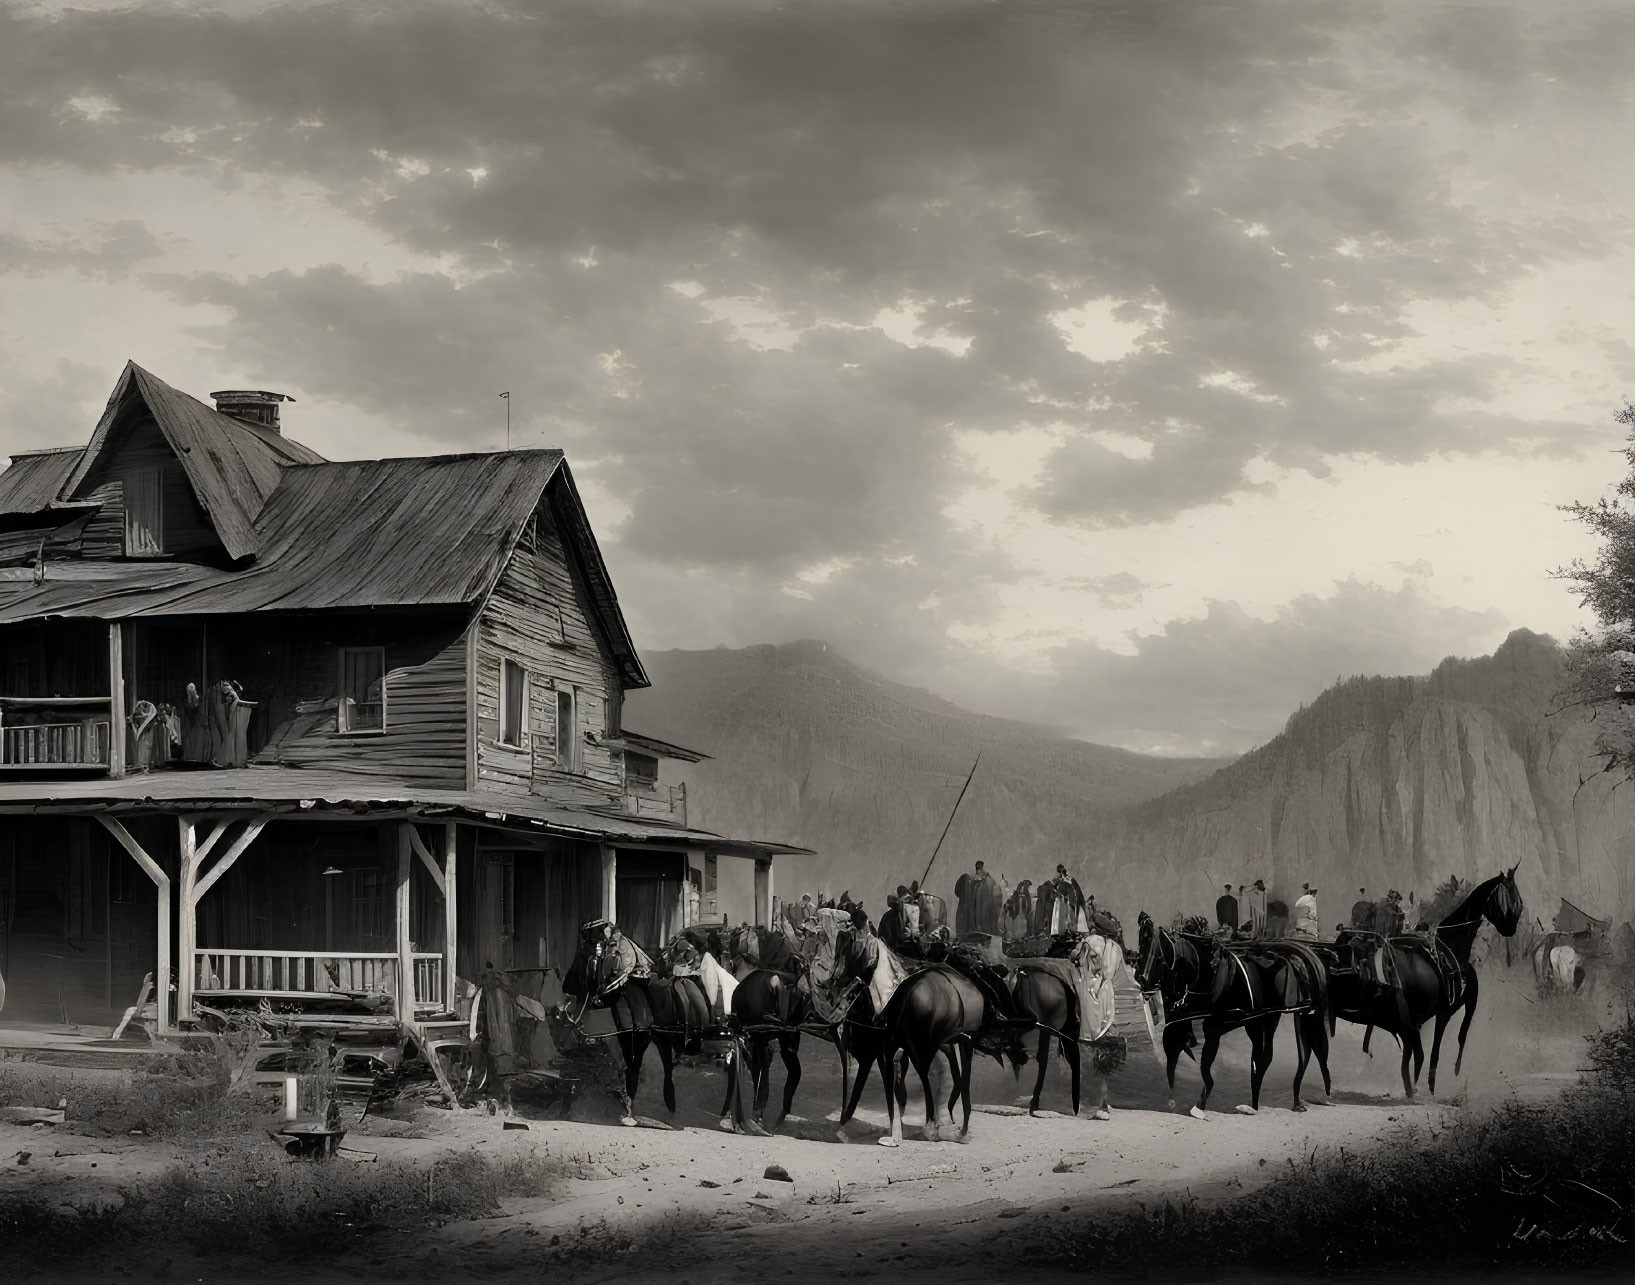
(1400, 782)
(1379, 782)
(815, 750)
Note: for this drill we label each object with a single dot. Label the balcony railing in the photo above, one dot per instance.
(296, 974)
(665, 802)
(54, 732)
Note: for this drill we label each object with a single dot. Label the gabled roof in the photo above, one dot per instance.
(382, 533)
(233, 467)
(33, 479)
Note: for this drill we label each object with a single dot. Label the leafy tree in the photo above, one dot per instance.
(1601, 662)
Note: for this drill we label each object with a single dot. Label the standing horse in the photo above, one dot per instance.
(1228, 987)
(937, 1009)
(611, 974)
(1426, 977)
(1053, 993)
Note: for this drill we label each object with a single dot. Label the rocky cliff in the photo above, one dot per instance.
(1399, 782)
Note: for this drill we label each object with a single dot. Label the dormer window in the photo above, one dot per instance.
(144, 512)
(362, 704)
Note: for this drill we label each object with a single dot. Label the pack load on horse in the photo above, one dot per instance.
(950, 1008)
(620, 997)
(1561, 959)
(1224, 985)
(1399, 982)
(1070, 998)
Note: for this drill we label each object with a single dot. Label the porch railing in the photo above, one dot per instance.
(668, 803)
(54, 732)
(295, 974)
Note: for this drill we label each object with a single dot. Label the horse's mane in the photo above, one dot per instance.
(1474, 902)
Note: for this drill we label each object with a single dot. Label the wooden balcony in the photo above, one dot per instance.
(311, 975)
(663, 802)
(55, 733)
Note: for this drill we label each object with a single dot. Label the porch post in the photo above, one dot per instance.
(610, 882)
(161, 882)
(451, 917)
(405, 950)
(116, 706)
(763, 891)
(187, 924)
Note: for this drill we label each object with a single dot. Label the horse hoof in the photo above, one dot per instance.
(1103, 1114)
(887, 1142)
(628, 1121)
(1299, 1106)
(1197, 1113)
(726, 1124)
(1170, 1105)
(840, 1136)
(1245, 1110)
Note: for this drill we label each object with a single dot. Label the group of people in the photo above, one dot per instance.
(1247, 911)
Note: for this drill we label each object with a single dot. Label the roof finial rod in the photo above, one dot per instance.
(507, 398)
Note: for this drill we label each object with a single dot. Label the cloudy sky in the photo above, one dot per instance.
(1134, 366)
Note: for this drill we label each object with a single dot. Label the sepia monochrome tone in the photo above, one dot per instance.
(905, 639)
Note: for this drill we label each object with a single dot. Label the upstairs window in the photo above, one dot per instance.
(362, 705)
(641, 773)
(513, 703)
(567, 730)
(144, 512)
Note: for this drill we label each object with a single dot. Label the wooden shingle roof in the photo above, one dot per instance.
(233, 467)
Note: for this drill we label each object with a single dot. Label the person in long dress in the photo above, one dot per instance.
(1062, 900)
(980, 903)
(1257, 909)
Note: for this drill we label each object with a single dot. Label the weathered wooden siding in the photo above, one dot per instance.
(291, 668)
(537, 616)
(186, 526)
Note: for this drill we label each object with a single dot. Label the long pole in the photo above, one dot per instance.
(507, 399)
(951, 814)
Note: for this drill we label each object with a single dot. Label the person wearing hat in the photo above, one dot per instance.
(1257, 908)
(893, 927)
(1305, 912)
(1226, 910)
(1363, 913)
(1060, 902)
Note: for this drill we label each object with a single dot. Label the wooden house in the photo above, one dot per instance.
(329, 735)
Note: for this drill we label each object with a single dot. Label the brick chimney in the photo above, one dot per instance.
(251, 406)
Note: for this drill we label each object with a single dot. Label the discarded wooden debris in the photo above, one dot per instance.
(32, 1115)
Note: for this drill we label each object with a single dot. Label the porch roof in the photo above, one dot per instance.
(295, 791)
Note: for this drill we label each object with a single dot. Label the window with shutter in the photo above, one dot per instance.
(513, 703)
(144, 512)
(362, 704)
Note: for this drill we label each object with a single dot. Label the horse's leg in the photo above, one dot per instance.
(1302, 1055)
(667, 1050)
(968, 1062)
(1044, 1062)
(1442, 1020)
(1212, 1042)
(1075, 1070)
(1410, 1042)
(849, 1107)
(1464, 1025)
(1368, 1034)
(789, 1048)
(633, 1044)
(922, 1064)
(1319, 1046)
(763, 1072)
(894, 1114)
(953, 1054)
(1260, 1057)
(732, 1080)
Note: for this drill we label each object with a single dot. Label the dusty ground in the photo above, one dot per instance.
(700, 1208)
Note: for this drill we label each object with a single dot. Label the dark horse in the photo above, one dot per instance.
(1231, 985)
(768, 1005)
(942, 1008)
(610, 975)
(1419, 978)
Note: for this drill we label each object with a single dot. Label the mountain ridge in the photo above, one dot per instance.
(1382, 781)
